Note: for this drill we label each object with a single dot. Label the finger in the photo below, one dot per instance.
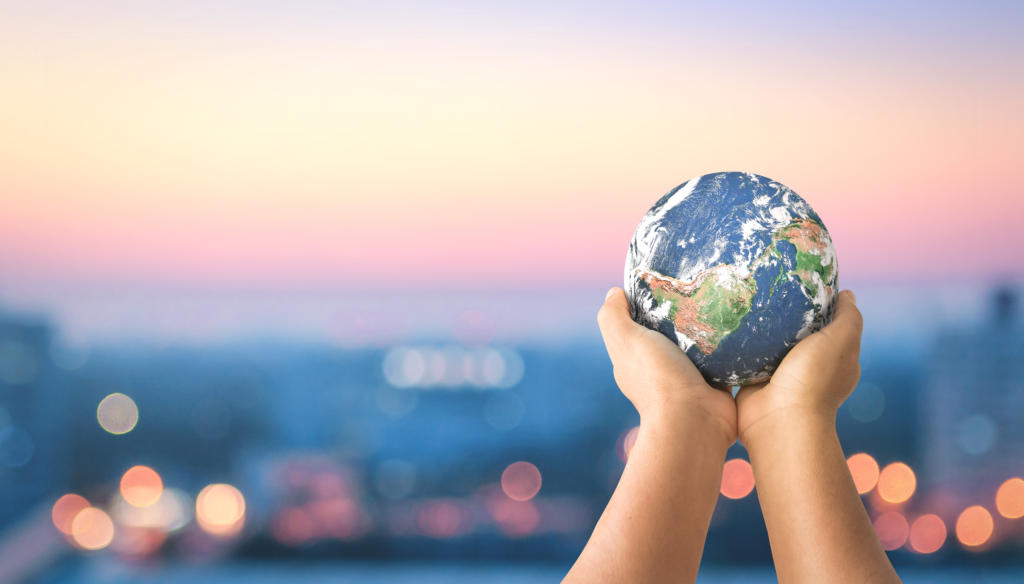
(617, 327)
(847, 322)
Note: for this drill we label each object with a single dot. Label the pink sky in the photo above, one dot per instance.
(451, 149)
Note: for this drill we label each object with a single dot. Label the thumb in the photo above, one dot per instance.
(847, 322)
(617, 327)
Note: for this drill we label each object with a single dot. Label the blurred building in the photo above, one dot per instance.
(971, 408)
(33, 416)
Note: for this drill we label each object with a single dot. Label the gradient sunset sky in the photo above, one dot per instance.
(342, 146)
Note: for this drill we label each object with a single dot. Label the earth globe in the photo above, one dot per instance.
(735, 268)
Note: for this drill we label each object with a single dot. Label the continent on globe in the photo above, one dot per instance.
(735, 268)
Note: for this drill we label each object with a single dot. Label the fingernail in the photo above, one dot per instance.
(609, 294)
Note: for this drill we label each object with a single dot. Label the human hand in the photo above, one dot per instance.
(814, 378)
(655, 374)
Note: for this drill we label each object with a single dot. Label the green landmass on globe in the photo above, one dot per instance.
(714, 303)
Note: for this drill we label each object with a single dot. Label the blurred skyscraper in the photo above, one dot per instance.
(33, 416)
(974, 395)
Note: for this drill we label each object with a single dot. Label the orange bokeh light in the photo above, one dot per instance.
(92, 529)
(864, 470)
(892, 529)
(220, 509)
(896, 483)
(65, 509)
(737, 479)
(521, 481)
(141, 486)
(974, 526)
(1010, 498)
(927, 534)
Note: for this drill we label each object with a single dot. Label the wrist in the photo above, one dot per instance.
(687, 420)
(789, 423)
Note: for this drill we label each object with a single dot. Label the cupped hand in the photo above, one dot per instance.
(655, 374)
(814, 378)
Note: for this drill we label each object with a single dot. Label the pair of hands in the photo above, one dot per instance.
(813, 380)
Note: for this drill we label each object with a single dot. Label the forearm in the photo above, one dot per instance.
(817, 525)
(654, 526)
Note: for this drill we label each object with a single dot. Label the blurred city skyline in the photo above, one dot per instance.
(906, 312)
(457, 450)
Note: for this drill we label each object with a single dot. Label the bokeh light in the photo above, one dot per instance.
(293, 526)
(867, 403)
(892, 529)
(1010, 498)
(737, 479)
(170, 513)
(515, 518)
(117, 413)
(976, 434)
(338, 517)
(443, 518)
(220, 509)
(137, 541)
(864, 470)
(92, 529)
(521, 481)
(65, 509)
(452, 366)
(624, 445)
(141, 486)
(927, 534)
(974, 526)
(896, 483)
(404, 367)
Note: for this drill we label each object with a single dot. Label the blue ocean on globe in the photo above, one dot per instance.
(735, 268)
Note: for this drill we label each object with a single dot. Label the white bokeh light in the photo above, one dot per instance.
(117, 413)
(452, 367)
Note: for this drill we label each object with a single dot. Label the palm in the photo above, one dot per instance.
(654, 373)
(819, 356)
(666, 356)
(755, 401)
